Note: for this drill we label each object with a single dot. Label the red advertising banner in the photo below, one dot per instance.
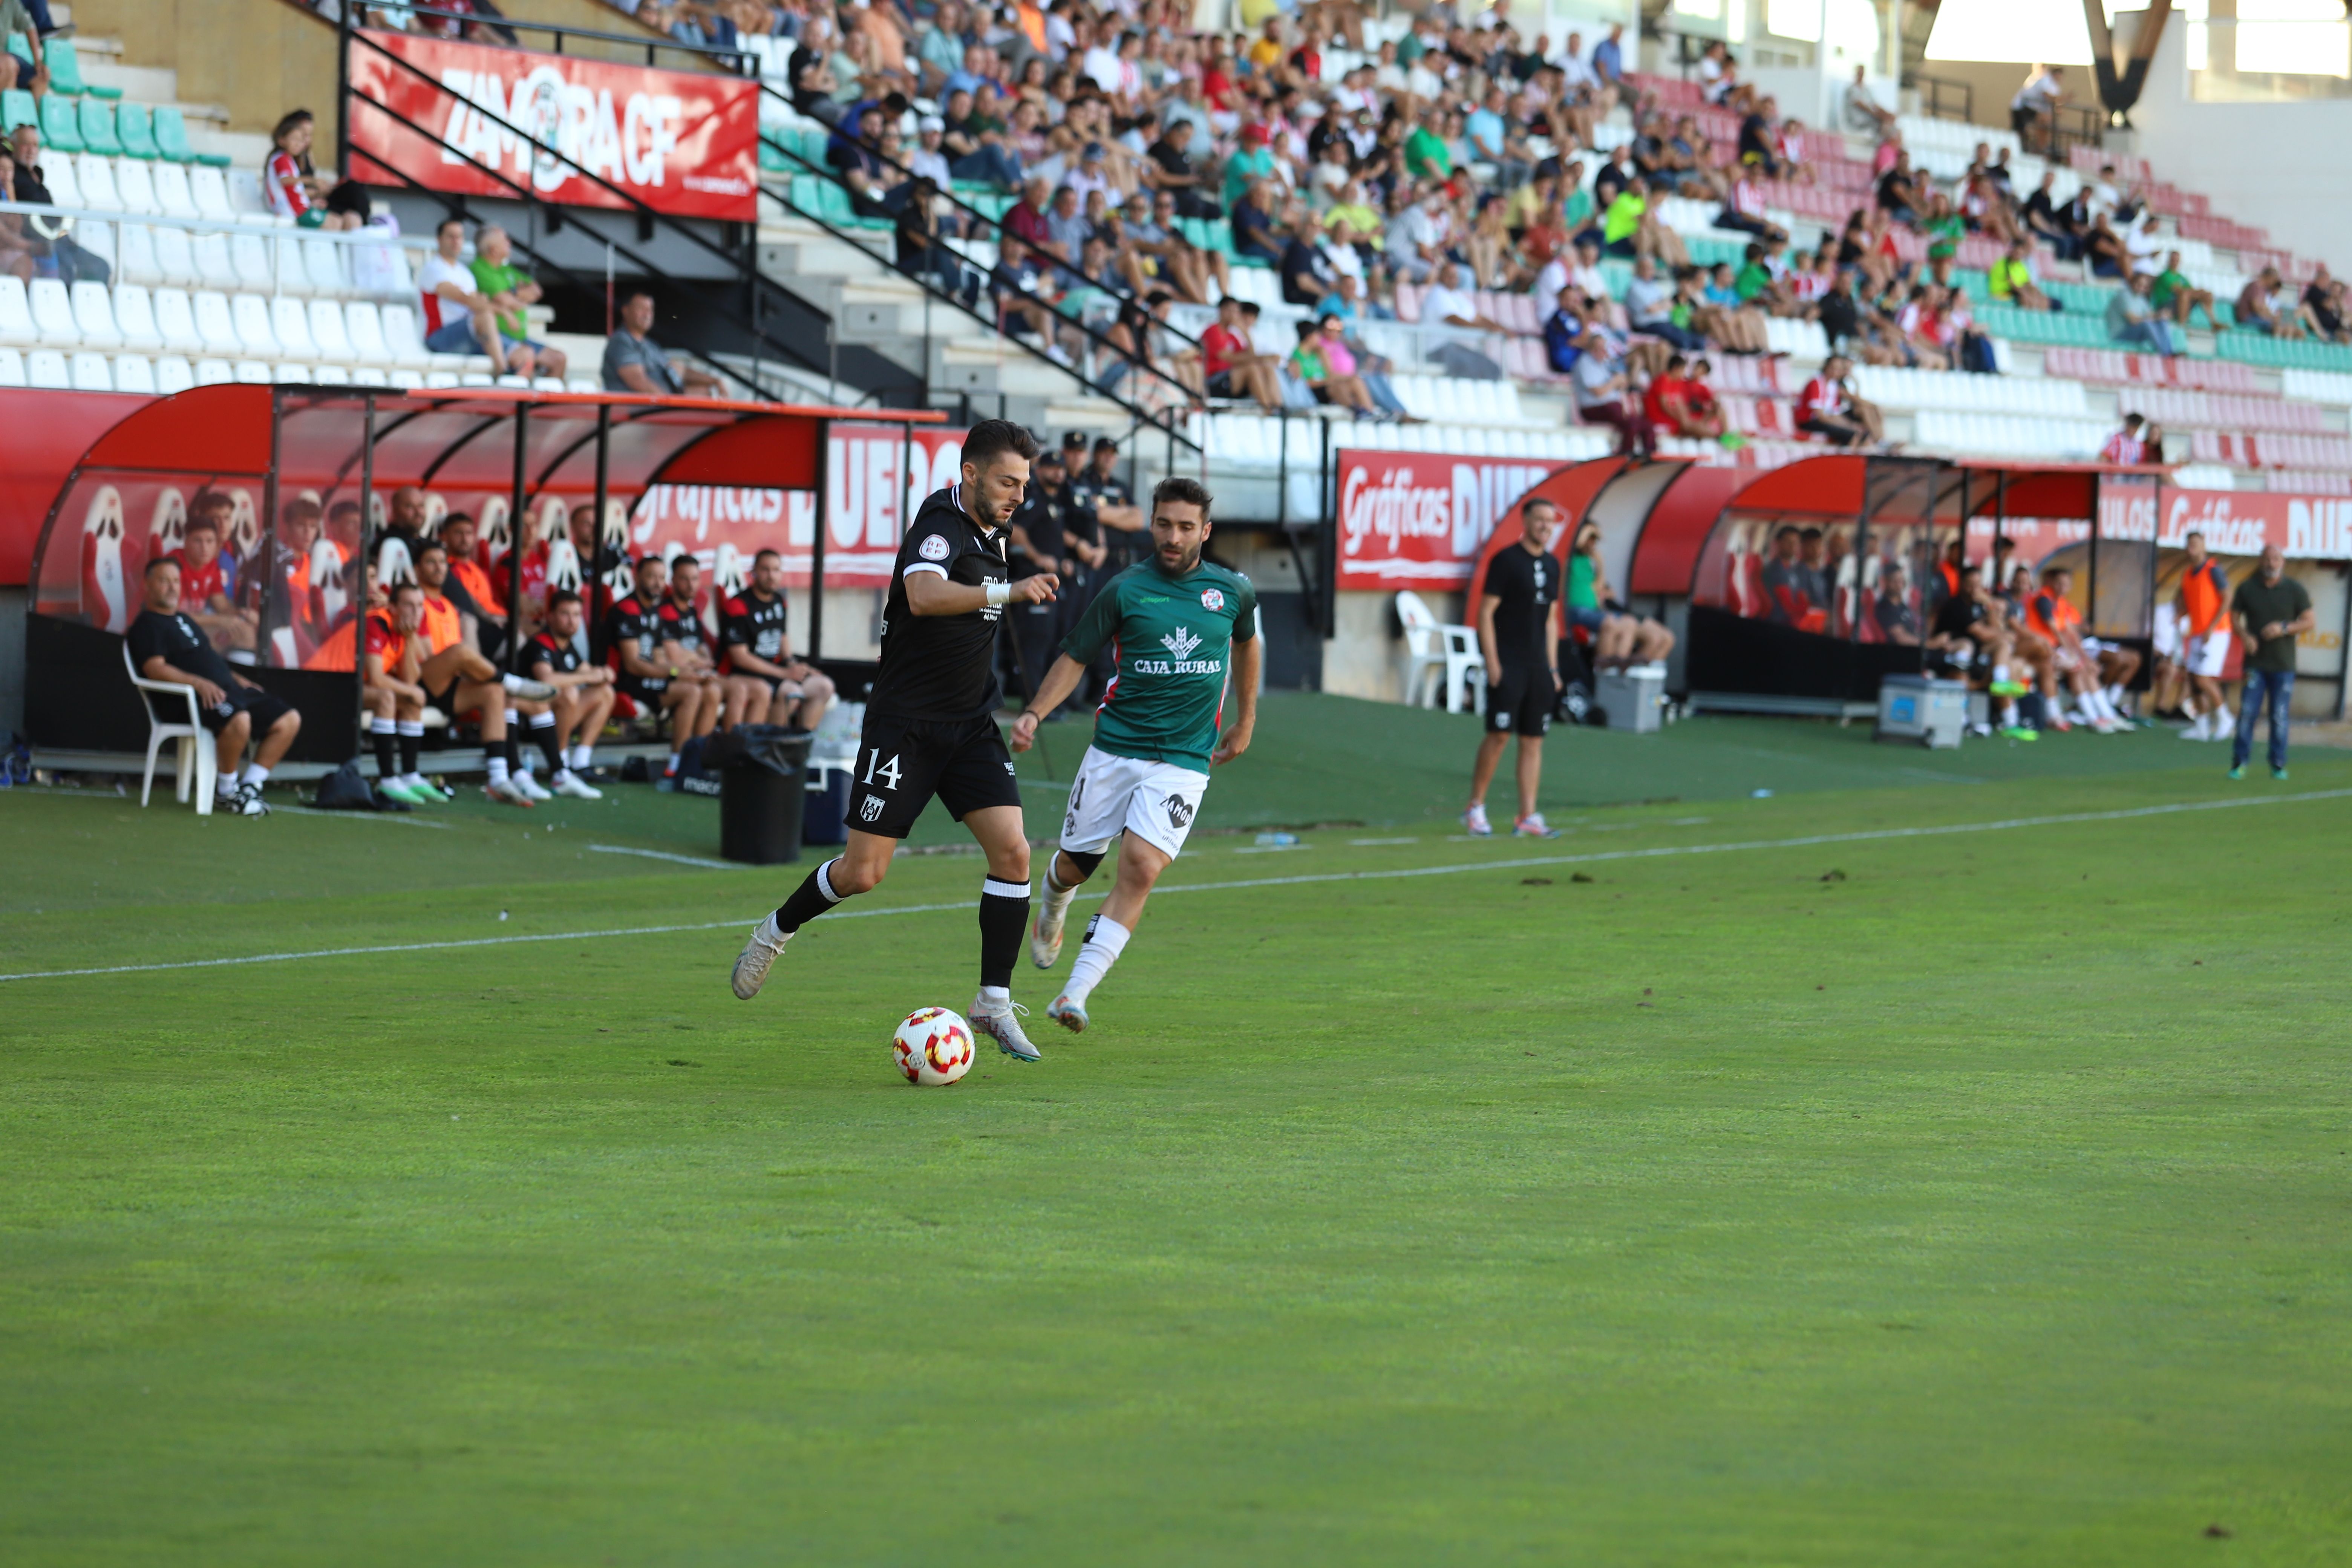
(2234, 523)
(876, 478)
(1418, 520)
(681, 141)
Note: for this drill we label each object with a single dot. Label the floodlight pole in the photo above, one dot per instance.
(515, 521)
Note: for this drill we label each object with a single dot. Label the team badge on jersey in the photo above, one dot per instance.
(1213, 599)
(935, 548)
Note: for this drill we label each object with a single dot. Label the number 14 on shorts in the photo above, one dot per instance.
(876, 768)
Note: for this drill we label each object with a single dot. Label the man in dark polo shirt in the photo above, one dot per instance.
(165, 645)
(634, 363)
(2271, 609)
(1518, 631)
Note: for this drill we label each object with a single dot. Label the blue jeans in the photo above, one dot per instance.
(2278, 687)
(2157, 335)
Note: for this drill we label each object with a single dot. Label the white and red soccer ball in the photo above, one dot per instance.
(933, 1045)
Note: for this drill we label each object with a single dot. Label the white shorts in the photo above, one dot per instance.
(2168, 632)
(2209, 655)
(1155, 801)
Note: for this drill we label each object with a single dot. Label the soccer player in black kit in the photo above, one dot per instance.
(930, 725)
(1518, 632)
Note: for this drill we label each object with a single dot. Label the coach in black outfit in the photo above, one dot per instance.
(167, 646)
(930, 724)
(1518, 632)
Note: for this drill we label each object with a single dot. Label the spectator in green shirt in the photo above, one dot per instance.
(1943, 228)
(509, 290)
(2173, 294)
(2012, 281)
(1426, 156)
(2271, 611)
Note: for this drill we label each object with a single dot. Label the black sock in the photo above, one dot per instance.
(409, 746)
(544, 733)
(1003, 916)
(384, 768)
(512, 750)
(810, 900)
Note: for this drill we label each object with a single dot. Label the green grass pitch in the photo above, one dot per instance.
(1958, 1186)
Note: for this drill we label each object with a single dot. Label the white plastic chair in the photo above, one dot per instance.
(1431, 647)
(173, 373)
(198, 767)
(93, 311)
(134, 317)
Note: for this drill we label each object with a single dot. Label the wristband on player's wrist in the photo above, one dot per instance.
(1000, 594)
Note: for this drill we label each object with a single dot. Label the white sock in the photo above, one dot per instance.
(498, 766)
(669, 768)
(561, 775)
(2001, 673)
(1105, 939)
(224, 785)
(996, 995)
(2106, 708)
(255, 774)
(768, 933)
(584, 756)
(1057, 896)
(2009, 715)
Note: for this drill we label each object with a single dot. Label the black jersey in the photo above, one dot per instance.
(630, 620)
(1529, 586)
(563, 655)
(680, 624)
(941, 666)
(179, 643)
(752, 624)
(1956, 615)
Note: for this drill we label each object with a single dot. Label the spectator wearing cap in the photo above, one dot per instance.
(634, 363)
(929, 160)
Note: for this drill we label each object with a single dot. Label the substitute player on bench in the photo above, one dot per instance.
(931, 724)
(584, 697)
(765, 683)
(1518, 632)
(1183, 626)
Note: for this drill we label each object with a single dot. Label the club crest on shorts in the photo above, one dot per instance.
(934, 548)
(1213, 599)
(870, 808)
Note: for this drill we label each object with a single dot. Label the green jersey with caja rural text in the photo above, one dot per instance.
(1171, 640)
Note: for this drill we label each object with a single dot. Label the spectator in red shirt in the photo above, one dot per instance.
(1827, 409)
(205, 591)
(1232, 365)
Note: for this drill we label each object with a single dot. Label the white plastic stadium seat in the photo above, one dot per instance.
(401, 336)
(290, 322)
(137, 190)
(244, 198)
(12, 368)
(214, 268)
(168, 702)
(290, 373)
(214, 371)
(134, 254)
(176, 257)
(405, 379)
(369, 375)
(172, 196)
(1432, 648)
(64, 188)
(365, 328)
(286, 266)
(53, 316)
(134, 373)
(16, 313)
(173, 373)
(322, 263)
(175, 322)
(584, 384)
(215, 325)
(250, 314)
(93, 310)
(96, 177)
(209, 191)
(134, 318)
(253, 373)
(327, 333)
(47, 368)
(90, 373)
(330, 375)
(251, 259)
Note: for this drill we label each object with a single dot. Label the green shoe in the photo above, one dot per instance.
(2020, 733)
(2009, 689)
(2279, 774)
(400, 792)
(2239, 772)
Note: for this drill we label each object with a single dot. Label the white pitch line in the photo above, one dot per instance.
(666, 854)
(1809, 840)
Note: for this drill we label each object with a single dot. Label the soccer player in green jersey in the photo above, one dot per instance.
(1184, 633)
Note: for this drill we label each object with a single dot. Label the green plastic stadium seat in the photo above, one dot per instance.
(19, 48)
(134, 124)
(98, 128)
(18, 108)
(65, 71)
(172, 134)
(61, 124)
(771, 155)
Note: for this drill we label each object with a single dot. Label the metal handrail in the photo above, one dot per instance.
(426, 9)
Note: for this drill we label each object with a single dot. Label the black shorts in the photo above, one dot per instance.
(1523, 700)
(1222, 384)
(265, 707)
(645, 692)
(903, 763)
(1836, 436)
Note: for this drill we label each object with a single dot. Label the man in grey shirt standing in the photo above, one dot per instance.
(634, 363)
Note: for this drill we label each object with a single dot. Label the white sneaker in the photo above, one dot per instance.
(243, 800)
(530, 785)
(1046, 937)
(1002, 1023)
(2197, 730)
(2225, 726)
(528, 690)
(751, 965)
(570, 784)
(1475, 823)
(507, 790)
(1533, 826)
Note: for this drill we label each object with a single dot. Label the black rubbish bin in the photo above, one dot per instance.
(758, 768)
